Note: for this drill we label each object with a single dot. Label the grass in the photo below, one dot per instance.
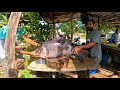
(83, 36)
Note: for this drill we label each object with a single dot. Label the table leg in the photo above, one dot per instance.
(53, 75)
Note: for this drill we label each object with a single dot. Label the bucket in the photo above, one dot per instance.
(105, 58)
(92, 71)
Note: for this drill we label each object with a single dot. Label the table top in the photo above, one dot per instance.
(88, 64)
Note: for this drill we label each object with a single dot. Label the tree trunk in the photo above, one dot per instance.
(10, 43)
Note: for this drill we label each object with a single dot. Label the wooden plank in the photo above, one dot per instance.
(88, 64)
(98, 75)
(112, 18)
(106, 72)
(73, 75)
(10, 43)
(110, 48)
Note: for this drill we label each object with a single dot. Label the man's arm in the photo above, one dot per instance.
(28, 53)
(95, 39)
(87, 46)
(28, 40)
(21, 51)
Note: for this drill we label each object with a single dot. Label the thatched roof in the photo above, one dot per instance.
(110, 17)
(56, 17)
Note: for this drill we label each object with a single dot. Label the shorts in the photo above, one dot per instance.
(92, 71)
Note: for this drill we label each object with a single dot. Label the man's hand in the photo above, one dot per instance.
(34, 54)
(38, 45)
(77, 49)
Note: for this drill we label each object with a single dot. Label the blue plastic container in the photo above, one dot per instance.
(92, 71)
(105, 58)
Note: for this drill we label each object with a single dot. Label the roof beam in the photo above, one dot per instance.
(113, 22)
(111, 19)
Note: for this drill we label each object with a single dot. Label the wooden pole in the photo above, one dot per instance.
(54, 32)
(53, 29)
(10, 43)
(72, 31)
(98, 23)
(86, 33)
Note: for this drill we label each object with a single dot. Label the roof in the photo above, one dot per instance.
(110, 17)
(57, 17)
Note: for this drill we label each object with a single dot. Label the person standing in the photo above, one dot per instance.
(93, 44)
(114, 37)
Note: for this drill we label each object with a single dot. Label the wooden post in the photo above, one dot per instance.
(54, 32)
(10, 43)
(98, 23)
(72, 30)
(53, 29)
(86, 33)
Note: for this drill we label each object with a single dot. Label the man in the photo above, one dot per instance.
(93, 43)
(114, 37)
(2, 40)
(18, 34)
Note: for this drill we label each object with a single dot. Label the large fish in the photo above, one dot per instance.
(59, 47)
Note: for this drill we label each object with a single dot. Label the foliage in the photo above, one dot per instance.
(3, 19)
(71, 27)
(32, 27)
(77, 26)
(26, 57)
(26, 74)
(105, 27)
(83, 36)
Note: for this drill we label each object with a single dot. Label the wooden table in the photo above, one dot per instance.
(88, 64)
(110, 48)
